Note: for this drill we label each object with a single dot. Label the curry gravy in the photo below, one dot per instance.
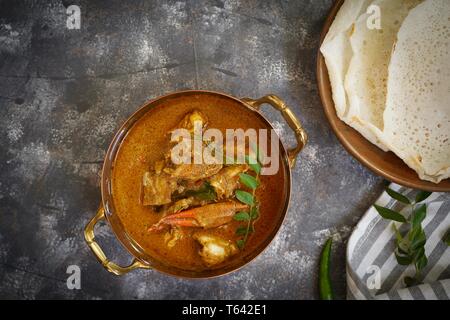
(145, 144)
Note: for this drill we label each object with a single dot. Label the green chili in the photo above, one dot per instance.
(325, 290)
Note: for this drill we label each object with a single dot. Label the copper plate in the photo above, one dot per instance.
(385, 164)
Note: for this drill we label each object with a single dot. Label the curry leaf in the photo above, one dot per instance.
(410, 249)
(242, 230)
(403, 259)
(242, 216)
(251, 159)
(418, 254)
(398, 196)
(447, 237)
(257, 151)
(389, 214)
(205, 192)
(207, 195)
(240, 243)
(418, 215)
(256, 167)
(419, 241)
(248, 198)
(410, 281)
(422, 195)
(248, 180)
(421, 262)
(416, 233)
(253, 164)
(245, 197)
(254, 213)
(402, 249)
(398, 235)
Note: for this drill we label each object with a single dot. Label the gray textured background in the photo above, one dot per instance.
(63, 93)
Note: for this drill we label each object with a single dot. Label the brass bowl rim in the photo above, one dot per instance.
(127, 241)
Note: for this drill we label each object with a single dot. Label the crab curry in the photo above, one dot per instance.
(194, 216)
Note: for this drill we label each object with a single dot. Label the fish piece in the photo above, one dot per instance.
(195, 172)
(227, 180)
(207, 216)
(192, 171)
(157, 189)
(214, 249)
(189, 120)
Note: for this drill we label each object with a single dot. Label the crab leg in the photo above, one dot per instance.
(208, 216)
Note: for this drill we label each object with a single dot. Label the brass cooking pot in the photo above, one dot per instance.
(107, 211)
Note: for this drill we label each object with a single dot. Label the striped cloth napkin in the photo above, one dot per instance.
(372, 269)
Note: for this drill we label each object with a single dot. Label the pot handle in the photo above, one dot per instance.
(98, 252)
(291, 119)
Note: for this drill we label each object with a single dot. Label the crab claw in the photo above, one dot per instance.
(208, 216)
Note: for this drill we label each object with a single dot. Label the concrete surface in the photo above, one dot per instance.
(63, 93)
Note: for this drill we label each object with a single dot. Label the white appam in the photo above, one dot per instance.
(366, 78)
(417, 113)
(337, 51)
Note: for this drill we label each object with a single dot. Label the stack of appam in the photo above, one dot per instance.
(391, 81)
